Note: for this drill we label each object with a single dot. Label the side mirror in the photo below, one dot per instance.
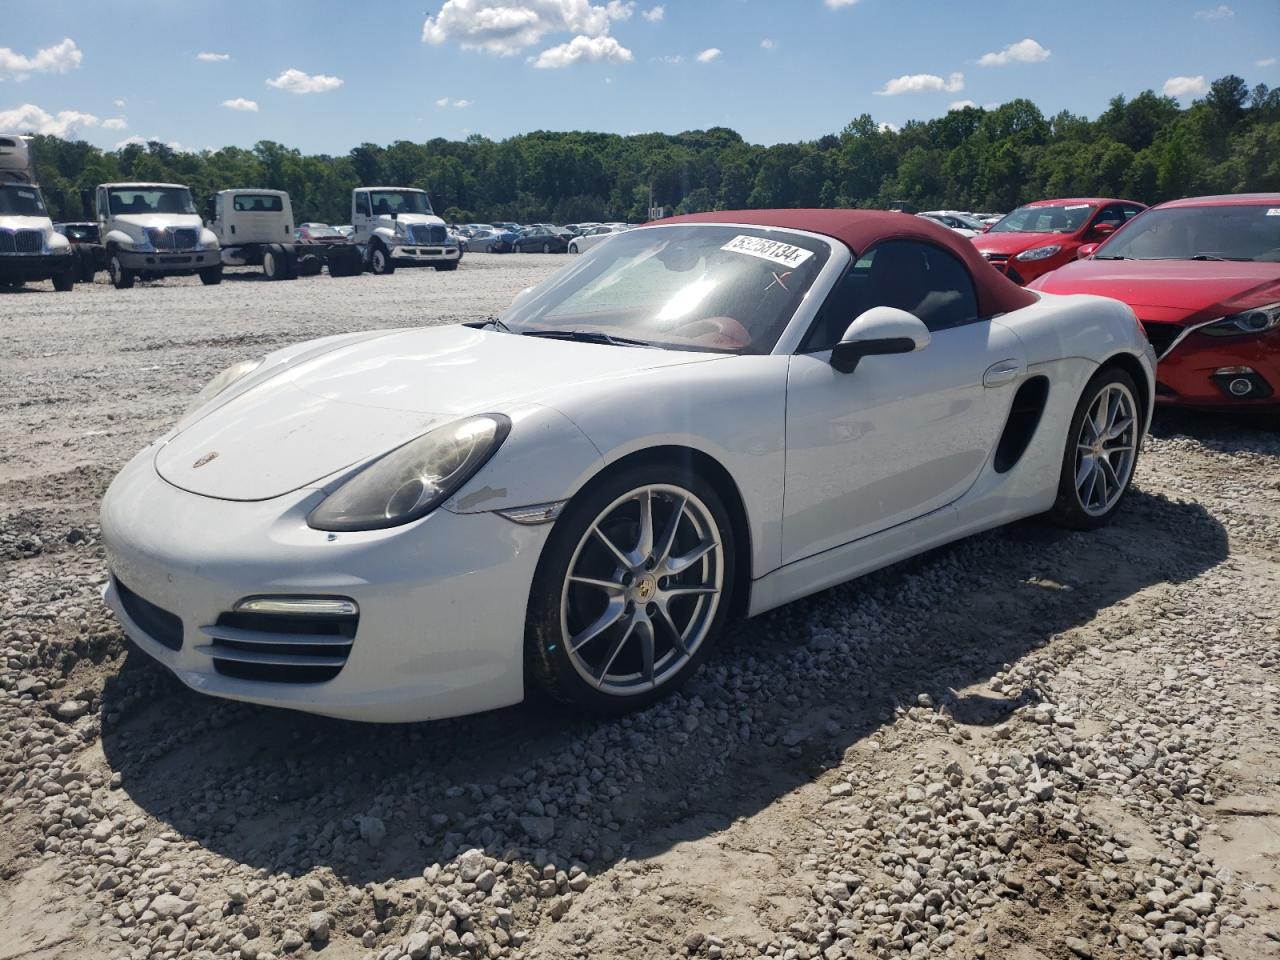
(1086, 250)
(878, 332)
(1102, 230)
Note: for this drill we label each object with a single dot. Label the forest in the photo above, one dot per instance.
(1148, 148)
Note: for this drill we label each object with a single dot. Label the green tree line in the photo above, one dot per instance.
(1147, 148)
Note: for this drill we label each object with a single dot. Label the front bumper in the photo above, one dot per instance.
(1187, 374)
(409, 255)
(34, 266)
(442, 601)
(166, 261)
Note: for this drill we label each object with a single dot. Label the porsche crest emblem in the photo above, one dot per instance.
(207, 458)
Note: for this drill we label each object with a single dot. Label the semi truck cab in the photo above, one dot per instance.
(152, 230)
(396, 227)
(30, 249)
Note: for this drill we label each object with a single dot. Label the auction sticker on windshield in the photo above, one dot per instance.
(775, 251)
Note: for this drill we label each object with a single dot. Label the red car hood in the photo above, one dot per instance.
(1012, 243)
(1170, 290)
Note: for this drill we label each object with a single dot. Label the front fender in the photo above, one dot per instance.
(118, 236)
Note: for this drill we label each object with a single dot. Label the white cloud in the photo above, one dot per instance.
(29, 118)
(582, 49)
(961, 104)
(213, 57)
(673, 58)
(129, 141)
(115, 123)
(768, 44)
(1265, 62)
(240, 103)
(457, 104)
(295, 81)
(59, 58)
(922, 83)
(119, 103)
(143, 141)
(506, 27)
(1185, 86)
(837, 4)
(709, 54)
(884, 126)
(1220, 12)
(1024, 51)
(655, 14)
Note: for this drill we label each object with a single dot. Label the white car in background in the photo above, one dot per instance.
(594, 236)
(702, 419)
(962, 223)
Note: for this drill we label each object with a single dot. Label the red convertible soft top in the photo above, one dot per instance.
(860, 229)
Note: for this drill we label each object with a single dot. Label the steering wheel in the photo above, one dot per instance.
(714, 331)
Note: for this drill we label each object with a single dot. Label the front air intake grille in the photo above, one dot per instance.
(276, 648)
(1161, 336)
(21, 241)
(427, 233)
(160, 625)
(184, 238)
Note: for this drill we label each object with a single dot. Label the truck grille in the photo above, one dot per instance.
(178, 238)
(427, 233)
(276, 648)
(21, 241)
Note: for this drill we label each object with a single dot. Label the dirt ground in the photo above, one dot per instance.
(1030, 744)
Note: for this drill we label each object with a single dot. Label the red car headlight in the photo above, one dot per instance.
(1258, 320)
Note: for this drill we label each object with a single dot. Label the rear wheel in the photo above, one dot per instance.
(546, 247)
(1102, 451)
(121, 276)
(632, 590)
(211, 276)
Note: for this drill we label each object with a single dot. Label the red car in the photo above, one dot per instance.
(1203, 276)
(1044, 235)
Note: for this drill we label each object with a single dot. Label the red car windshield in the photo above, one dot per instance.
(1233, 232)
(1067, 218)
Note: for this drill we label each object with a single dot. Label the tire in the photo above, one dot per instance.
(291, 261)
(65, 282)
(308, 265)
(380, 260)
(608, 671)
(546, 247)
(274, 266)
(84, 265)
(573, 248)
(211, 276)
(446, 267)
(1097, 469)
(121, 276)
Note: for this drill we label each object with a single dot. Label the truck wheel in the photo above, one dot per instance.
(308, 265)
(121, 276)
(380, 261)
(84, 264)
(290, 261)
(211, 276)
(446, 267)
(65, 282)
(273, 262)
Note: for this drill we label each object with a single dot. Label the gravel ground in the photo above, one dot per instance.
(1030, 744)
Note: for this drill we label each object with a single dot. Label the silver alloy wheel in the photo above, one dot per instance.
(117, 271)
(1106, 449)
(643, 589)
(379, 260)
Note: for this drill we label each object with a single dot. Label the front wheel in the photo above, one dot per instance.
(632, 590)
(211, 276)
(273, 263)
(380, 261)
(452, 265)
(121, 276)
(1101, 452)
(64, 282)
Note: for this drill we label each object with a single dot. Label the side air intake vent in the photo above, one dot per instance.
(1028, 405)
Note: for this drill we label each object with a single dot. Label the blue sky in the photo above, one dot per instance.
(325, 75)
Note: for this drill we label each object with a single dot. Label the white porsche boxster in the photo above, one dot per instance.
(702, 419)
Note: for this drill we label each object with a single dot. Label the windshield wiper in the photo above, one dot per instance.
(1214, 256)
(489, 322)
(1115, 257)
(589, 336)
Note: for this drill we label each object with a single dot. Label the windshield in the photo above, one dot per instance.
(258, 203)
(1067, 218)
(132, 200)
(387, 202)
(697, 287)
(80, 232)
(1187, 233)
(18, 201)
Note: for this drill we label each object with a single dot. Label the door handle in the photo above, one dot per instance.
(998, 374)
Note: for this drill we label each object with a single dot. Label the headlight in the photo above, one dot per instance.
(1258, 320)
(414, 479)
(222, 381)
(1039, 253)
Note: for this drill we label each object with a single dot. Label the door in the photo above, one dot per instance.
(904, 434)
(360, 215)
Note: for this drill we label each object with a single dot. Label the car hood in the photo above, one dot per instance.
(344, 406)
(1012, 243)
(1170, 290)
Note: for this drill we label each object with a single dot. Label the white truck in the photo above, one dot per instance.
(255, 228)
(152, 230)
(30, 249)
(396, 227)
